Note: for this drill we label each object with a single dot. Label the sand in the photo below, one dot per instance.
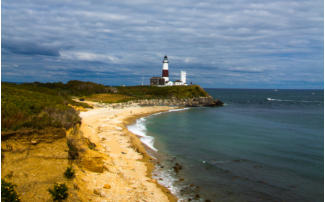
(35, 165)
(127, 166)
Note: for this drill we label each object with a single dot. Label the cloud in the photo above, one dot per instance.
(262, 41)
(88, 56)
(29, 48)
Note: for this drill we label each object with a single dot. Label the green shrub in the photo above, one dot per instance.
(73, 150)
(59, 192)
(91, 145)
(69, 173)
(8, 193)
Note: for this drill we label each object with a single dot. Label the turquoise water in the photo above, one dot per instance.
(263, 145)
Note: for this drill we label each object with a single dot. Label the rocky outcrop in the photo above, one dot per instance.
(186, 102)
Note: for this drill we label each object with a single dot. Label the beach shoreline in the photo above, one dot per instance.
(127, 173)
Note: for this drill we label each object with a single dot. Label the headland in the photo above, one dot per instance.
(82, 126)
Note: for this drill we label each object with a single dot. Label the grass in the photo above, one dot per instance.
(109, 98)
(26, 109)
(74, 87)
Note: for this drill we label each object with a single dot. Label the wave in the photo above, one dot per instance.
(139, 128)
(167, 178)
(176, 110)
(279, 100)
(162, 175)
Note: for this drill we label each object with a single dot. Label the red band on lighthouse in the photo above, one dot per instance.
(164, 73)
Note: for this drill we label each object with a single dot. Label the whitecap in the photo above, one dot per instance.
(279, 100)
(140, 129)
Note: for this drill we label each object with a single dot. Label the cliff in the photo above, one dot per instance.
(40, 129)
(183, 96)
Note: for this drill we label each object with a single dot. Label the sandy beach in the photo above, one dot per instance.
(126, 173)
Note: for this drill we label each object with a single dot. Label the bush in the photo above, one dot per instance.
(91, 145)
(73, 150)
(69, 173)
(8, 193)
(59, 192)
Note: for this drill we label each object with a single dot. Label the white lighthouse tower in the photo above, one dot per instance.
(183, 77)
(165, 73)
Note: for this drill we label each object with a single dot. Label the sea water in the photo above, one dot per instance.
(263, 145)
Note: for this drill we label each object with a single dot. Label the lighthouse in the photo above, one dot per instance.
(164, 79)
(165, 74)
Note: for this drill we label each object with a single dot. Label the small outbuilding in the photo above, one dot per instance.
(157, 81)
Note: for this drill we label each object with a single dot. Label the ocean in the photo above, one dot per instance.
(263, 145)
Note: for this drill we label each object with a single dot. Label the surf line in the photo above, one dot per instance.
(139, 128)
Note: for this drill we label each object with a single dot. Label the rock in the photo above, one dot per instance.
(188, 102)
(98, 192)
(94, 164)
(177, 167)
(107, 186)
(34, 142)
(218, 103)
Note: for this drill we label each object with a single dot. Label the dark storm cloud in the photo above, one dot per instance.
(29, 48)
(220, 44)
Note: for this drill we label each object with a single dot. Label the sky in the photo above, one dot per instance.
(219, 43)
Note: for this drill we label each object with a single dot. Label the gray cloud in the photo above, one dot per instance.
(216, 42)
(29, 48)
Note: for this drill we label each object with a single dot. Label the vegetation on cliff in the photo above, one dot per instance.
(153, 92)
(59, 192)
(30, 107)
(8, 192)
(48, 105)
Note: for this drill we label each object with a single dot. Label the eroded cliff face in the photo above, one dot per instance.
(35, 162)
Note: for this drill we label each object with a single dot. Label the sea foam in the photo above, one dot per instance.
(139, 128)
(279, 100)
